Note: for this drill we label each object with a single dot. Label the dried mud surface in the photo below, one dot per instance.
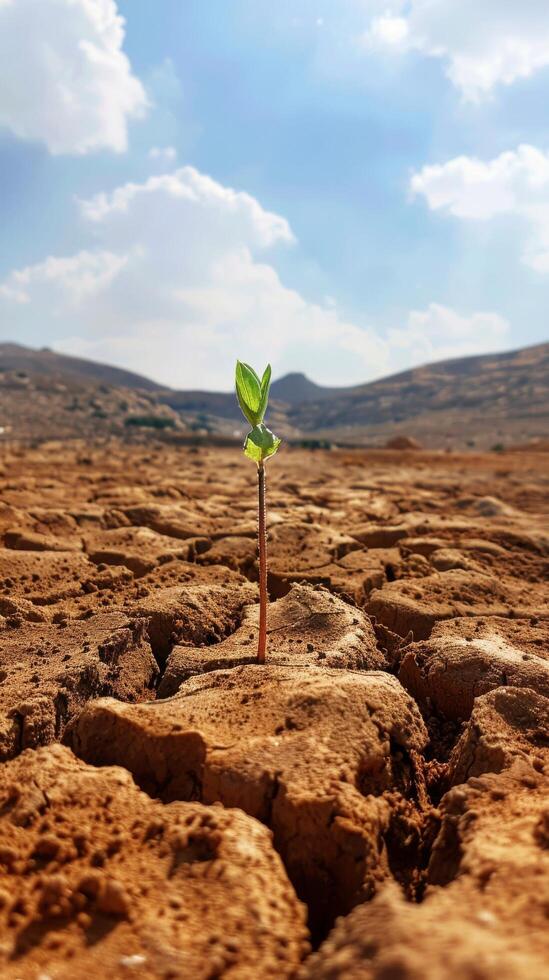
(378, 793)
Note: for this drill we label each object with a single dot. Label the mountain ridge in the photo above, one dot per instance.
(44, 360)
(470, 402)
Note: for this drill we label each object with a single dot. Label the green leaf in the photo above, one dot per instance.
(252, 394)
(264, 391)
(266, 379)
(251, 370)
(248, 392)
(261, 443)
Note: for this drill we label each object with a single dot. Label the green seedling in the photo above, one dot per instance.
(253, 395)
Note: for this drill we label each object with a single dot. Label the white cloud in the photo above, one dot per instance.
(178, 286)
(439, 332)
(389, 30)
(483, 43)
(73, 279)
(514, 183)
(64, 78)
(164, 156)
(216, 217)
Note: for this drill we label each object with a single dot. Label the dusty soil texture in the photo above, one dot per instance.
(379, 791)
(308, 627)
(485, 910)
(49, 670)
(323, 757)
(99, 880)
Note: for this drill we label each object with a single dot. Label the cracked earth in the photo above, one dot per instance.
(373, 803)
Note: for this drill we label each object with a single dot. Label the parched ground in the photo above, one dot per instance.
(373, 803)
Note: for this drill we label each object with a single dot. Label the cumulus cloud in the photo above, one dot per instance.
(177, 288)
(440, 332)
(64, 78)
(513, 183)
(179, 284)
(72, 279)
(483, 44)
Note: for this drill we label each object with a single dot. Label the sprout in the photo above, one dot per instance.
(260, 443)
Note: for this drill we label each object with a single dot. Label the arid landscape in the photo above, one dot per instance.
(372, 803)
(466, 404)
(274, 474)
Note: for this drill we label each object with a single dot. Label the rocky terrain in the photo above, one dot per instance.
(467, 403)
(16, 358)
(372, 803)
(473, 403)
(44, 395)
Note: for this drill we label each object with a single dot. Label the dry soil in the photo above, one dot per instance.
(373, 803)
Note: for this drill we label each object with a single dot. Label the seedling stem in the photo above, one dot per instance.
(253, 394)
(262, 540)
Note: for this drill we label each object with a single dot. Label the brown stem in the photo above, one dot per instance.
(262, 540)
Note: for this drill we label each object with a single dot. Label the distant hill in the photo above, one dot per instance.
(44, 395)
(478, 401)
(468, 402)
(465, 403)
(15, 357)
(294, 389)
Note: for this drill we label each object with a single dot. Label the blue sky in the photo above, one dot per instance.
(387, 213)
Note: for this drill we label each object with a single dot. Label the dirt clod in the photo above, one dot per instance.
(322, 756)
(192, 901)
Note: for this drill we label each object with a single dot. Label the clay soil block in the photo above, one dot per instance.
(98, 880)
(485, 909)
(48, 671)
(307, 627)
(323, 757)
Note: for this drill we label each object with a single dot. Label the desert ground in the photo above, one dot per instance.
(372, 803)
